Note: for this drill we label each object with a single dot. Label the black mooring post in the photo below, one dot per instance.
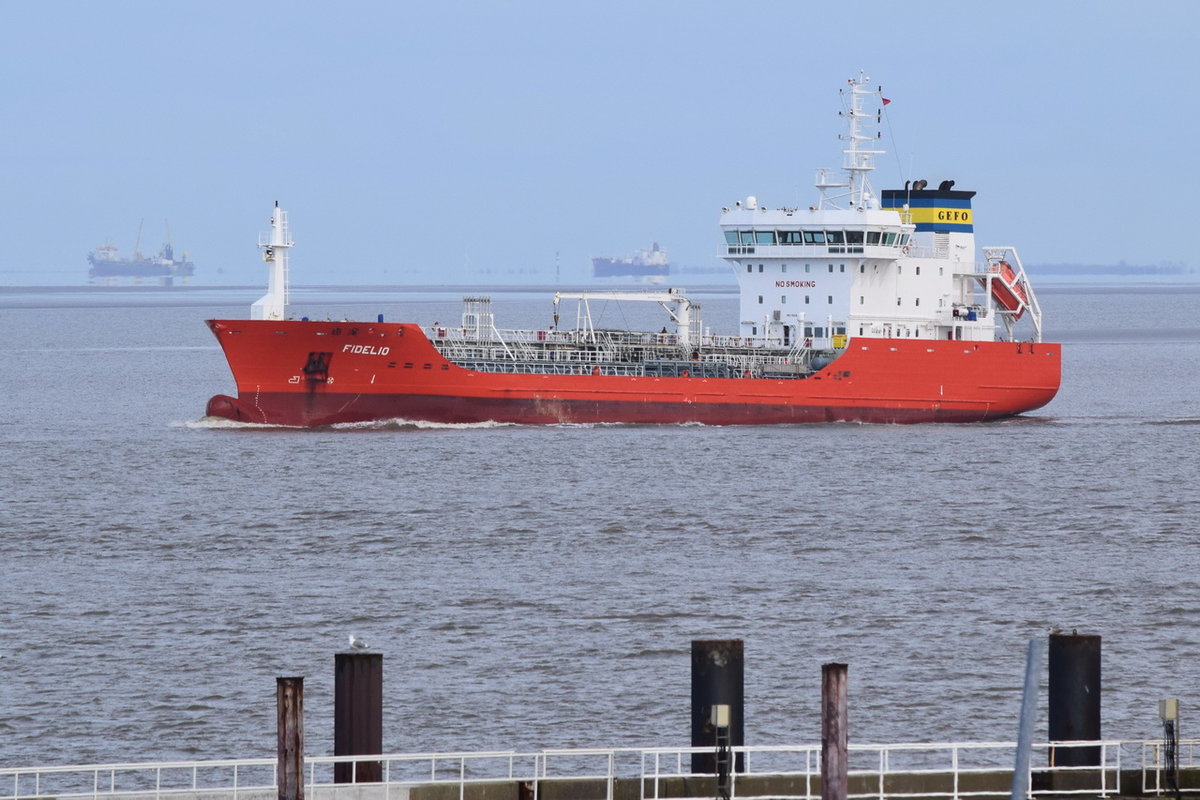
(1168, 713)
(1074, 698)
(358, 716)
(835, 738)
(718, 678)
(289, 718)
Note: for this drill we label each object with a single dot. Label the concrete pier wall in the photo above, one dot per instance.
(1084, 782)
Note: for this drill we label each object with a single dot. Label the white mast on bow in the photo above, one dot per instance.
(275, 244)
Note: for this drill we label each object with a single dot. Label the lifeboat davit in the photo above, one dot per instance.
(1008, 289)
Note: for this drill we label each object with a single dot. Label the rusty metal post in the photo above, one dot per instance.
(289, 715)
(1074, 698)
(358, 716)
(718, 678)
(835, 739)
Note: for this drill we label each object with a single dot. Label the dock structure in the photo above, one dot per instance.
(1075, 762)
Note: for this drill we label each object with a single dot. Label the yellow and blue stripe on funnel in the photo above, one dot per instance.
(940, 210)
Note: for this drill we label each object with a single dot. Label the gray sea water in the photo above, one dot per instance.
(539, 587)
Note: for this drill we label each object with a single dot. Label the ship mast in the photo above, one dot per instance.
(275, 244)
(137, 245)
(857, 161)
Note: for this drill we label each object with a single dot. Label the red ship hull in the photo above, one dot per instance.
(301, 373)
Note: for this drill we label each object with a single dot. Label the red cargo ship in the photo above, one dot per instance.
(858, 308)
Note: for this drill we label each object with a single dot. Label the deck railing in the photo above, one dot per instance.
(621, 353)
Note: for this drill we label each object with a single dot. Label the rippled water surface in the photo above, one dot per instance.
(541, 586)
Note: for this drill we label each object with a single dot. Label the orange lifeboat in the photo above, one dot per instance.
(1008, 290)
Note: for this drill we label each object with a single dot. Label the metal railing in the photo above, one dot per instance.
(624, 353)
(1154, 764)
(823, 250)
(926, 770)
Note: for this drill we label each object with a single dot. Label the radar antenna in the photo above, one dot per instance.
(858, 161)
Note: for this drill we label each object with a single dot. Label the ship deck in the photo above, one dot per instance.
(618, 352)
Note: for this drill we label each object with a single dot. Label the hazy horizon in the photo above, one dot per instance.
(509, 143)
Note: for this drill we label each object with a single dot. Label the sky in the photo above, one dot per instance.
(509, 142)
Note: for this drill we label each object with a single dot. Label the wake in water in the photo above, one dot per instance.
(395, 424)
(220, 423)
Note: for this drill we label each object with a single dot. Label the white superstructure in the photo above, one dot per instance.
(897, 264)
(275, 245)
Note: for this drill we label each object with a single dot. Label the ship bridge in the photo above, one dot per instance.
(898, 264)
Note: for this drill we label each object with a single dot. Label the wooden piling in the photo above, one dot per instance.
(835, 740)
(289, 715)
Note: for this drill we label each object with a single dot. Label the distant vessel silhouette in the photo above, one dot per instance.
(108, 267)
(645, 266)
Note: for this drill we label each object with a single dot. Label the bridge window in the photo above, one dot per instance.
(814, 237)
(747, 237)
(872, 237)
(889, 239)
(731, 237)
(835, 237)
(790, 237)
(854, 237)
(764, 237)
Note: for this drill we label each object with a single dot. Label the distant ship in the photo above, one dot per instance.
(108, 267)
(645, 266)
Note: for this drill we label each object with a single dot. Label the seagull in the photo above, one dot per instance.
(357, 643)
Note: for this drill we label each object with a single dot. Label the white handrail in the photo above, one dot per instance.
(877, 763)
